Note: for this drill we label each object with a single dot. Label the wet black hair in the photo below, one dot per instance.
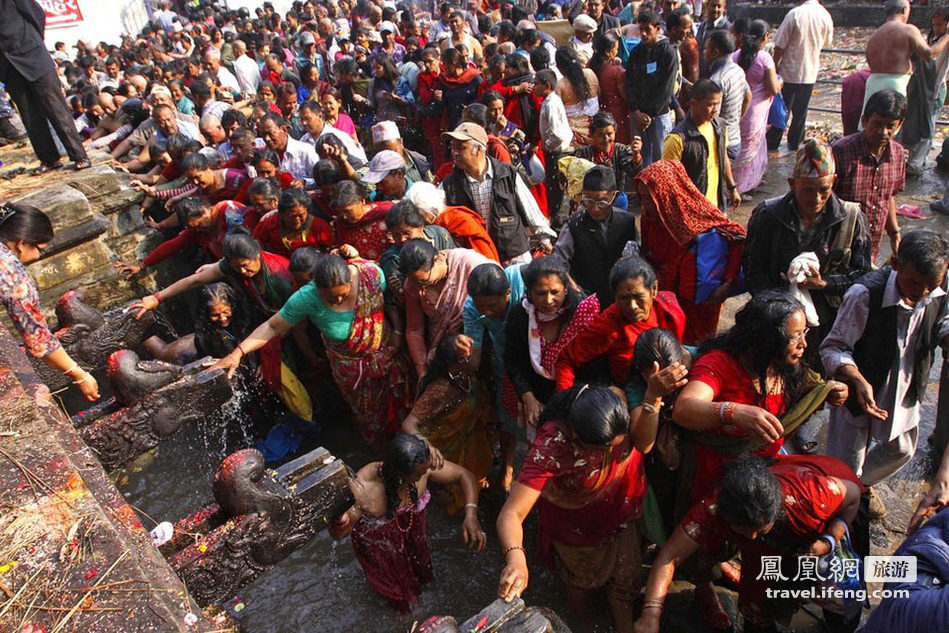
(445, 356)
(476, 113)
(232, 116)
(595, 414)
(266, 154)
(240, 245)
(304, 258)
(886, 103)
(330, 271)
(568, 63)
(191, 208)
(926, 251)
(404, 213)
(403, 455)
(632, 267)
(294, 197)
(657, 346)
(760, 331)
(490, 96)
(488, 280)
(207, 338)
(603, 43)
(750, 496)
(24, 223)
(417, 254)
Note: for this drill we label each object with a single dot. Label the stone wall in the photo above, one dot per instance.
(72, 552)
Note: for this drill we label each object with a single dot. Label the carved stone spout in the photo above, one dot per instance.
(90, 336)
(259, 518)
(153, 400)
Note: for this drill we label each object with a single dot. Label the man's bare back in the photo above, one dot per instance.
(891, 47)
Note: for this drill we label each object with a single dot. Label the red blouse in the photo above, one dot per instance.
(317, 234)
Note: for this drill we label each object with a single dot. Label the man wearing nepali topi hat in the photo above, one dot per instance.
(809, 219)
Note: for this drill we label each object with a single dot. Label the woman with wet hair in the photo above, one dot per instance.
(358, 222)
(584, 470)
(579, 88)
(293, 226)
(800, 506)
(25, 232)
(739, 388)
(388, 522)
(344, 301)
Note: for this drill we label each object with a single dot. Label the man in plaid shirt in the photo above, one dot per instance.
(871, 166)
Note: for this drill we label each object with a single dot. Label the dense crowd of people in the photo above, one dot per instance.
(435, 206)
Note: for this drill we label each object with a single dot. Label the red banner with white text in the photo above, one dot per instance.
(61, 13)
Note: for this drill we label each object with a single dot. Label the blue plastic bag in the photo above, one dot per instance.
(778, 115)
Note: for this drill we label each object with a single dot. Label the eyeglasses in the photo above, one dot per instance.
(602, 205)
(799, 338)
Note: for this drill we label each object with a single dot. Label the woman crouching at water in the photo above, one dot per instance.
(388, 522)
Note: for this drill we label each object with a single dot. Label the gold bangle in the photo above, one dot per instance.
(652, 604)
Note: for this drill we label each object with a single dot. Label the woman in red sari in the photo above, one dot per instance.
(358, 222)
(799, 506)
(388, 521)
(674, 213)
(345, 303)
(585, 471)
(639, 306)
(739, 387)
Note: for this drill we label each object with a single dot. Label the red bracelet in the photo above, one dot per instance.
(728, 413)
(157, 296)
(241, 350)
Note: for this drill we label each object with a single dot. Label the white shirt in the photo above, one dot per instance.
(328, 130)
(298, 160)
(248, 74)
(806, 29)
(215, 109)
(555, 130)
(837, 351)
(228, 80)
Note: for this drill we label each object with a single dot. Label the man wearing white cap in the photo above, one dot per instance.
(497, 193)
(582, 41)
(385, 135)
(387, 173)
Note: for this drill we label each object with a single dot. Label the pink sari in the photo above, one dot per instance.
(753, 159)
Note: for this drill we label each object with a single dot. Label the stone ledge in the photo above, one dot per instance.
(65, 206)
(72, 527)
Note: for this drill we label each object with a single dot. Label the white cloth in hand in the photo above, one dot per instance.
(799, 269)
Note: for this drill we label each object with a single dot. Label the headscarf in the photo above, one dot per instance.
(683, 210)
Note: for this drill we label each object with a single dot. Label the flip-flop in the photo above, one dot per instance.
(44, 168)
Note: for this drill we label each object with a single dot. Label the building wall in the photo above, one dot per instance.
(102, 20)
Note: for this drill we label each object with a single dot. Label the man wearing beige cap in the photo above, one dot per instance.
(496, 192)
(582, 41)
(386, 135)
(387, 173)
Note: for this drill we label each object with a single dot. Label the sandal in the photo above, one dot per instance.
(45, 167)
(710, 608)
(82, 163)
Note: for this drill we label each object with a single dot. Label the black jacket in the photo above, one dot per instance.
(507, 224)
(651, 92)
(607, 22)
(877, 349)
(695, 151)
(595, 251)
(22, 25)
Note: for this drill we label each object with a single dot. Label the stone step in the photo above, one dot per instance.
(64, 205)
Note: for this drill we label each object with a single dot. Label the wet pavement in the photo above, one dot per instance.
(320, 587)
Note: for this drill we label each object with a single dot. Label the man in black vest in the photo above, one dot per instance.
(882, 346)
(700, 143)
(30, 76)
(596, 236)
(496, 192)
